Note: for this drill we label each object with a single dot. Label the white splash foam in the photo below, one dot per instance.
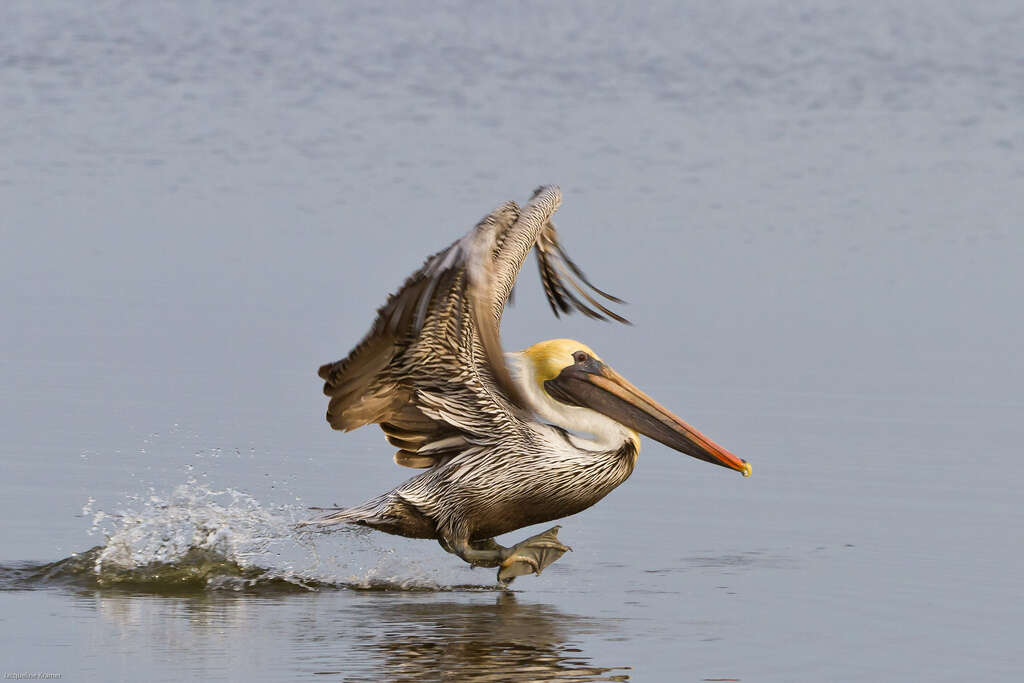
(162, 528)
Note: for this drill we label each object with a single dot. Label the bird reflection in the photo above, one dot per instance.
(502, 641)
(359, 636)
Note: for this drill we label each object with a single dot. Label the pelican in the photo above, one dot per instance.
(506, 440)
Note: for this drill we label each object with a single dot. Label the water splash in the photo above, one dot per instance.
(192, 519)
(198, 538)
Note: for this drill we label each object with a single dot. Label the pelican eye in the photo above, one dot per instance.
(580, 357)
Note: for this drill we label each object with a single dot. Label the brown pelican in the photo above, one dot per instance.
(507, 440)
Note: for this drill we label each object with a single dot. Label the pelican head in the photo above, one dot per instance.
(573, 388)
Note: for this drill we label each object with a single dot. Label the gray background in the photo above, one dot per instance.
(813, 209)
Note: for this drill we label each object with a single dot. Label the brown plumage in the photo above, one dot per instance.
(429, 328)
(499, 452)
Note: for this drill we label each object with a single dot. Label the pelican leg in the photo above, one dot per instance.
(531, 556)
(484, 553)
(485, 544)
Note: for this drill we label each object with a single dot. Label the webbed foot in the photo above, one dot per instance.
(532, 556)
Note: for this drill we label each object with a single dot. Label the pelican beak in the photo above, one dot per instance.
(596, 386)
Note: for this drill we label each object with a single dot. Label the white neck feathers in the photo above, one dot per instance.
(590, 430)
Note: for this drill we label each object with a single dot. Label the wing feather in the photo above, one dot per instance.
(431, 371)
(557, 269)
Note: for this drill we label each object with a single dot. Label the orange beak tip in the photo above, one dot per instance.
(746, 469)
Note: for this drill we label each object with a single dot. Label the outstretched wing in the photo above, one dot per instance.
(557, 269)
(431, 370)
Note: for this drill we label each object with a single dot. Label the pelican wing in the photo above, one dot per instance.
(431, 371)
(557, 270)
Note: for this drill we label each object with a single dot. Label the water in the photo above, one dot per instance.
(812, 208)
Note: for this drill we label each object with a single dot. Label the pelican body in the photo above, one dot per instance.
(506, 440)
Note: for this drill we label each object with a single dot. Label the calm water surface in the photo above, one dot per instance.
(814, 210)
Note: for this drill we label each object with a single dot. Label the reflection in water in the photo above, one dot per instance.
(347, 635)
(204, 611)
(500, 641)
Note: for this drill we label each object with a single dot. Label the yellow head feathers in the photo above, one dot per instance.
(550, 357)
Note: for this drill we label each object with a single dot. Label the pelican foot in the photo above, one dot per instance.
(532, 556)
